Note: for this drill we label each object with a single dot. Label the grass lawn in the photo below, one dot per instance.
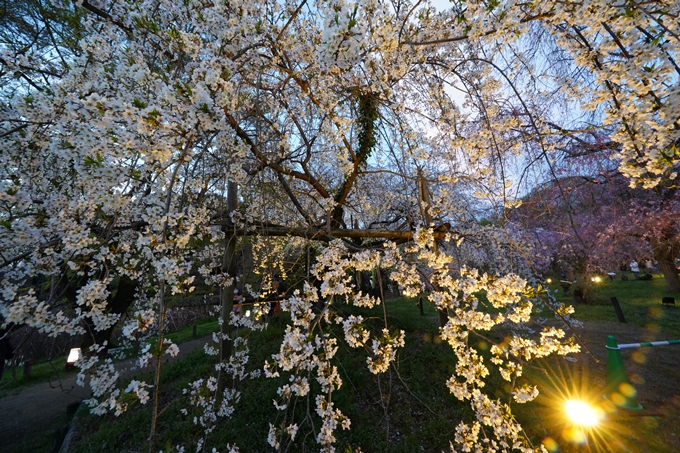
(44, 371)
(13, 377)
(640, 302)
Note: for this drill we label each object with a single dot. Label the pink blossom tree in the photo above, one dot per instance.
(590, 219)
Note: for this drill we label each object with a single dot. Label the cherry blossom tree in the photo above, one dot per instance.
(642, 225)
(589, 219)
(341, 124)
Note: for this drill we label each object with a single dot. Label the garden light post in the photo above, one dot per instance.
(73, 356)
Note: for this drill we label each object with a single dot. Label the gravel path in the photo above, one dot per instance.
(34, 410)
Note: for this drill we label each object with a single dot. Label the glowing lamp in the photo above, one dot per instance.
(73, 356)
(247, 313)
(581, 413)
(548, 280)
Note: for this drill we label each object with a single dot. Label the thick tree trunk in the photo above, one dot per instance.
(125, 296)
(670, 273)
(227, 300)
(665, 252)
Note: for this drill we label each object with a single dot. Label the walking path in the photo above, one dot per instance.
(34, 410)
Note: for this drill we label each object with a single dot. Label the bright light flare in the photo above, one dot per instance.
(598, 279)
(575, 415)
(583, 414)
(548, 280)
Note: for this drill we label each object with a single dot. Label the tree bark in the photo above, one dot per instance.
(119, 304)
(228, 267)
(425, 198)
(665, 252)
(670, 273)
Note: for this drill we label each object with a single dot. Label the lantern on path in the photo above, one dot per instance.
(73, 356)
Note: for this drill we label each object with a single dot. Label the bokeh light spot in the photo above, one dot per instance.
(574, 435)
(651, 422)
(608, 407)
(637, 379)
(639, 357)
(618, 399)
(550, 444)
(627, 390)
(656, 312)
(653, 327)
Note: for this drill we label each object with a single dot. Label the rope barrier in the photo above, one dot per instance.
(644, 344)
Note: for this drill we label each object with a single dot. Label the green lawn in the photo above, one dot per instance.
(13, 377)
(43, 371)
(640, 302)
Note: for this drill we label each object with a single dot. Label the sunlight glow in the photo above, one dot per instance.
(582, 413)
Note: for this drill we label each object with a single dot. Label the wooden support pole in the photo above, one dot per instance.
(318, 234)
(425, 206)
(617, 309)
(28, 368)
(228, 267)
